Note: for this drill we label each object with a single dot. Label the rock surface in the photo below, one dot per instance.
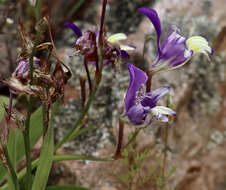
(197, 137)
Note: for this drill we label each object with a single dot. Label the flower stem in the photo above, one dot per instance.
(120, 139)
(83, 90)
(11, 169)
(26, 133)
(75, 130)
(148, 84)
(27, 144)
(135, 134)
(88, 74)
(165, 151)
(10, 104)
(57, 158)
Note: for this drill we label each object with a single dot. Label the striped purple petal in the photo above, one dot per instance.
(136, 114)
(174, 51)
(154, 18)
(137, 79)
(153, 97)
(74, 28)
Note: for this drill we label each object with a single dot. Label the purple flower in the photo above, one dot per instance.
(76, 29)
(175, 50)
(23, 68)
(141, 106)
(87, 43)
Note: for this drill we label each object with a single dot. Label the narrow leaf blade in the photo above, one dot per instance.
(45, 161)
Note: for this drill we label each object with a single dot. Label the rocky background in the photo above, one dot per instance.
(197, 137)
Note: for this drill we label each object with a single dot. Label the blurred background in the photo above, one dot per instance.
(196, 138)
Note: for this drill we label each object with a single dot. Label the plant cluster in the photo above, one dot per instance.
(46, 76)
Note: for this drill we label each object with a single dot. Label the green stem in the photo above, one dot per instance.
(26, 133)
(11, 168)
(43, 116)
(58, 158)
(75, 129)
(165, 152)
(77, 5)
(28, 145)
(133, 137)
(36, 10)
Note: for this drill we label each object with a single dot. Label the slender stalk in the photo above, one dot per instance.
(26, 133)
(36, 10)
(43, 117)
(10, 104)
(27, 144)
(58, 158)
(77, 5)
(165, 144)
(88, 74)
(148, 83)
(100, 40)
(75, 129)
(135, 134)
(165, 151)
(11, 168)
(83, 90)
(120, 139)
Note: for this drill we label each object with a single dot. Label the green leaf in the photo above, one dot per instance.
(45, 161)
(61, 157)
(46, 155)
(3, 100)
(66, 188)
(35, 134)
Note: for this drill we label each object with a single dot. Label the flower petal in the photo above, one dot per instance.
(136, 114)
(127, 47)
(124, 54)
(137, 79)
(74, 28)
(23, 67)
(117, 37)
(161, 113)
(199, 44)
(163, 110)
(154, 18)
(153, 97)
(174, 52)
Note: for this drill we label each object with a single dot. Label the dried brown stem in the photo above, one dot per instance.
(120, 139)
